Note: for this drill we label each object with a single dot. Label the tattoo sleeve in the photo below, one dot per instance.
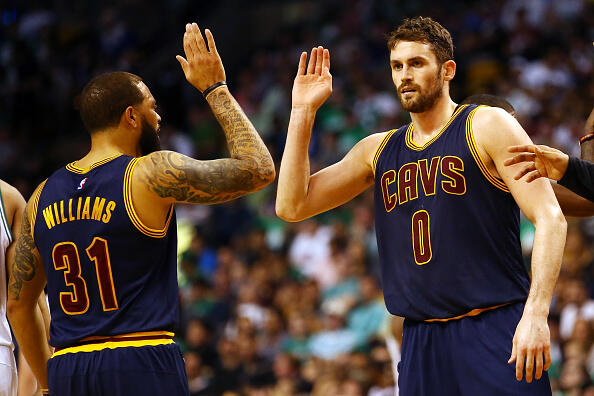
(250, 168)
(25, 261)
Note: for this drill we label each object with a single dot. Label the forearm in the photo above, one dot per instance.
(28, 327)
(572, 204)
(547, 251)
(243, 139)
(294, 174)
(579, 178)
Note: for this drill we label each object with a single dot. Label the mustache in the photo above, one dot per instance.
(408, 86)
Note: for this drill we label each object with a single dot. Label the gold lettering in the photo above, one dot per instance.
(85, 212)
(98, 208)
(49, 217)
(62, 217)
(108, 209)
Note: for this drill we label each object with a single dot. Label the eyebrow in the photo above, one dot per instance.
(414, 58)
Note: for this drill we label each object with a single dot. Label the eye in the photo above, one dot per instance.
(397, 66)
(417, 64)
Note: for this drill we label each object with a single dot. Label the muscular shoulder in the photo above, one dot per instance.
(367, 146)
(12, 199)
(494, 124)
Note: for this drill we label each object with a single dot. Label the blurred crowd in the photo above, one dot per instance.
(271, 308)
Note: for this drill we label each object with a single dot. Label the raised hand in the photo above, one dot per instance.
(541, 161)
(313, 85)
(202, 65)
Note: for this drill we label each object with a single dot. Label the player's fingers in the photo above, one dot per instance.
(212, 47)
(311, 66)
(525, 170)
(512, 357)
(199, 39)
(187, 47)
(519, 149)
(535, 174)
(519, 158)
(529, 364)
(547, 357)
(192, 44)
(520, 358)
(319, 61)
(183, 63)
(301, 67)
(326, 61)
(538, 365)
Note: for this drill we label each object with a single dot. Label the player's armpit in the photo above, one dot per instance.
(174, 177)
(572, 204)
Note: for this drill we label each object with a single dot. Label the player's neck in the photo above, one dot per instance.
(107, 144)
(431, 121)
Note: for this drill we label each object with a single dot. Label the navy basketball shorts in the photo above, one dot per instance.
(464, 357)
(124, 371)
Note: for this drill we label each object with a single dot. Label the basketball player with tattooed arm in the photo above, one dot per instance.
(12, 205)
(447, 223)
(102, 232)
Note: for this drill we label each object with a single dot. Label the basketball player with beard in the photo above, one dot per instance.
(447, 223)
(102, 232)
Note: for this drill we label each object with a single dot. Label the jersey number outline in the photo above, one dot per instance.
(65, 257)
(421, 237)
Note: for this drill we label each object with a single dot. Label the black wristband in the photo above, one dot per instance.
(212, 88)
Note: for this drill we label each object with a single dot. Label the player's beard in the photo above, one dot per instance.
(423, 101)
(149, 138)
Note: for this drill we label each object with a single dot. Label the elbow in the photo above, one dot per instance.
(12, 310)
(268, 175)
(286, 212)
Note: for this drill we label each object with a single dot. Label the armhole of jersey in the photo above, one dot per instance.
(477, 157)
(151, 232)
(379, 149)
(36, 196)
(4, 218)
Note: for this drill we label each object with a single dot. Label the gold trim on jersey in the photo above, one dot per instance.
(477, 157)
(113, 345)
(36, 196)
(380, 148)
(152, 232)
(73, 168)
(474, 312)
(409, 133)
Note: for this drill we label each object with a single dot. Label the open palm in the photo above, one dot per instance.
(313, 85)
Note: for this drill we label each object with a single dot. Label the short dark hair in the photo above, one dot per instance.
(490, 100)
(426, 30)
(105, 97)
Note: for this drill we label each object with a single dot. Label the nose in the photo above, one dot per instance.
(406, 74)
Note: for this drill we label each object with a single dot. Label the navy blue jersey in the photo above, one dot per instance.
(448, 231)
(107, 273)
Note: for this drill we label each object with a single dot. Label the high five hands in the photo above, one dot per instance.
(202, 65)
(313, 85)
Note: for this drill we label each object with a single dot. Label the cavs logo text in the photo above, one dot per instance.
(403, 186)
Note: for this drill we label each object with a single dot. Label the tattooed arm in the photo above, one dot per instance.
(173, 177)
(27, 279)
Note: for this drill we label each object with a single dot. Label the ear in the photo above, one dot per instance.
(449, 70)
(131, 117)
